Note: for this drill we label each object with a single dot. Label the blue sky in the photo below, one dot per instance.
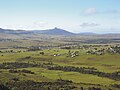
(99, 16)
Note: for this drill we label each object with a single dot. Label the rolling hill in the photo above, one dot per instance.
(55, 31)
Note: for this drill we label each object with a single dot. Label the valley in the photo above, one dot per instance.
(55, 62)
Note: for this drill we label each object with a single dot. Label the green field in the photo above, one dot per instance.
(108, 63)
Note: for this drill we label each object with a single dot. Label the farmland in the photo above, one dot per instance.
(59, 65)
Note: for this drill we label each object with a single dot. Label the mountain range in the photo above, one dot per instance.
(55, 31)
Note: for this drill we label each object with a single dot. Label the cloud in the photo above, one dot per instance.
(90, 11)
(38, 25)
(111, 12)
(89, 25)
(93, 10)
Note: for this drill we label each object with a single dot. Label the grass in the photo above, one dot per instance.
(104, 63)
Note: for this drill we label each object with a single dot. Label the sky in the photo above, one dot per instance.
(98, 16)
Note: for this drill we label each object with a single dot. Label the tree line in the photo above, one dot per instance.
(21, 71)
(93, 71)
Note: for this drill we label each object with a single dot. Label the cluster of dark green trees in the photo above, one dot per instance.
(31, 85)
(55, 85)
(116, 85)
(93, 71)
(15, 65)
(21, 71)
(3, 87)
(51, 66)
(91, 88)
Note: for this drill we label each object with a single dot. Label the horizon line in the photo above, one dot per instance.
(61, 29)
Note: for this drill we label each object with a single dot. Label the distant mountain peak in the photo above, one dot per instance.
(54, 31)
(56, 28)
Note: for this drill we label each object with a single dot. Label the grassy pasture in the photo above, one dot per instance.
(105, 63)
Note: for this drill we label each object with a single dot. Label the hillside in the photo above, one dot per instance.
(55, 31)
